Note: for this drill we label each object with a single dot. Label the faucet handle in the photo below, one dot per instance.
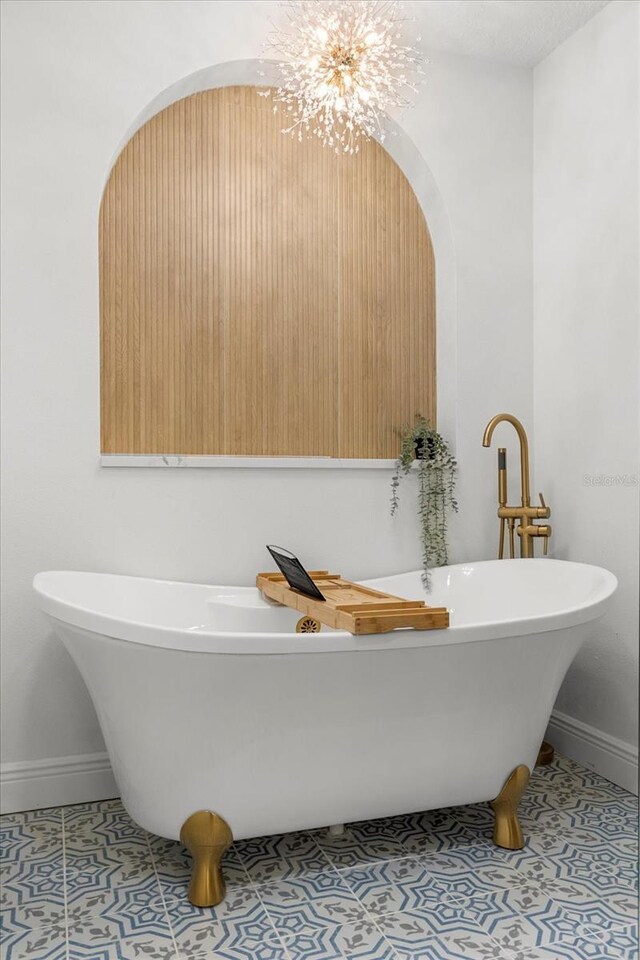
(544, 530)
(546, 538)
(544, 511)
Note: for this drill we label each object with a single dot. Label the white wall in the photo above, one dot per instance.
(586, 325)
(75, 75)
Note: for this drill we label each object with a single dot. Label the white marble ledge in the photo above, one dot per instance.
(211, 462)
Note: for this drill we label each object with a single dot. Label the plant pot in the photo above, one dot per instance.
(424, 451)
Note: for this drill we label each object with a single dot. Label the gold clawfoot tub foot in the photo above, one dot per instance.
(546, 754)
(206, 836)
(507, 831)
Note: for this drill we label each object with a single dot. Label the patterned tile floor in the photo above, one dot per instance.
(86, 882)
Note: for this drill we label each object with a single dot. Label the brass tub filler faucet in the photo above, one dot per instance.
(526, 529)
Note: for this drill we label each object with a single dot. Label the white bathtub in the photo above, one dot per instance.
(207, 697)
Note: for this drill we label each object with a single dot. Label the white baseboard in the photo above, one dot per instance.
(612, 758)
(36, 784)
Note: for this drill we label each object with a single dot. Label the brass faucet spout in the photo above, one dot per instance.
(524, 450)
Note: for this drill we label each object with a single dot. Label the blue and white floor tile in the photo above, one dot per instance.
(36, 835)
(86, 883)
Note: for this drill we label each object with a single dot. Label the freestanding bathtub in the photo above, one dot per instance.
(210, 701)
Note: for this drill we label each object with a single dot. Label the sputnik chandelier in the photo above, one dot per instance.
(342, 65)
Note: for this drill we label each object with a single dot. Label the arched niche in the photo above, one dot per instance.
(259, 296)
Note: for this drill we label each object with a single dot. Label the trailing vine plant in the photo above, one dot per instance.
(436, 488)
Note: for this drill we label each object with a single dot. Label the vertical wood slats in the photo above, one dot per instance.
(259, 295)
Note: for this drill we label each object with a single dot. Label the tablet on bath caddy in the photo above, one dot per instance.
(293, 572)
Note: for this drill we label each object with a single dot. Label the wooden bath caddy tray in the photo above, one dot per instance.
(350, 606)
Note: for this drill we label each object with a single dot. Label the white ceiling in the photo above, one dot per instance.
(521, 32)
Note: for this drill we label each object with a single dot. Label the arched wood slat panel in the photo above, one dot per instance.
(258, 295)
